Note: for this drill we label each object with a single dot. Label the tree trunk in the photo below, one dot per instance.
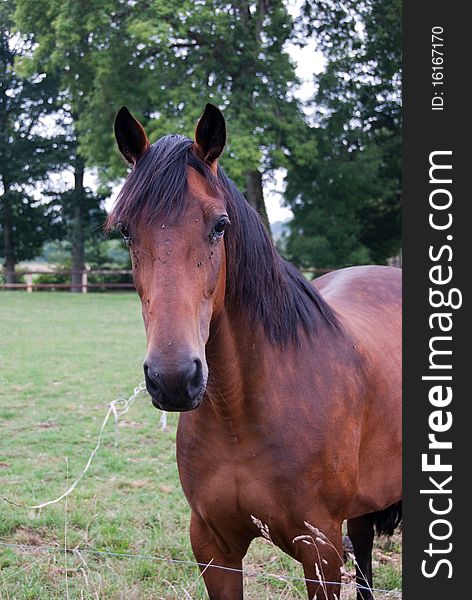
(8, 238)
(78, 226)
(255, 195)
(10, 258)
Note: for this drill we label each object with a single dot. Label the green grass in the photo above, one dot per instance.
(63, 358)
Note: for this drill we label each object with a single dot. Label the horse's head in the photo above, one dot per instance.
(172, 214)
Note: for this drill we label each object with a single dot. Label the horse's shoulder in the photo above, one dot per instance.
(368, 303)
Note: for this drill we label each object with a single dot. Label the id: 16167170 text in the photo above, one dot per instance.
(437, 64)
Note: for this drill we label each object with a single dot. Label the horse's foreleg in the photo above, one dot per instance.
(361, 534)
(222, 583)
(321, 558)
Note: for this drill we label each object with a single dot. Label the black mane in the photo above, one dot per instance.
(263, 285)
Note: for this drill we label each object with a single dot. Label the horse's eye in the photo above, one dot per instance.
(220, 226)
(125, 233)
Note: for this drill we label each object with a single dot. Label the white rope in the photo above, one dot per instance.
(117, 408)
(164, 421)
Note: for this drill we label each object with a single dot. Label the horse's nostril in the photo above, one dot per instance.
(151, 379)
(197, 366)
(195, 380)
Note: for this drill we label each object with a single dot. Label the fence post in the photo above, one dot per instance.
(84, 281)
(29, 282)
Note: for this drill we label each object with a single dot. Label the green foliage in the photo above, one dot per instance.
(165, 60)
(108, 254)
(30, 221)
(29, 151)
(67, 36)
(346, 200)
(100, 254)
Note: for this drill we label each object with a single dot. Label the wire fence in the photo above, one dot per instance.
(175, 561)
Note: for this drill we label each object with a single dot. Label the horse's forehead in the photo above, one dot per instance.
(197, 184)
(201, 191)
(202, 205)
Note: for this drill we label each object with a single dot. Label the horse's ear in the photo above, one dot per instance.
(210, 135)
(130, 136)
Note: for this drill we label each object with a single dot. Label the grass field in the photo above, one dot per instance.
(63, 358)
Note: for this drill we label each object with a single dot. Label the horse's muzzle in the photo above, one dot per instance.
(176, 389)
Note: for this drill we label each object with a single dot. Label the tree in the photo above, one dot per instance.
(346, 201)
(66, 43)
(178, 56)
(27, 153)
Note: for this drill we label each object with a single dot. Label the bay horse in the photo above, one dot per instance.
(289, 392)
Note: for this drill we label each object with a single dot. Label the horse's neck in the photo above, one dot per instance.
(236, 364)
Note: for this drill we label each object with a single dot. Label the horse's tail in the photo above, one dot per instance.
(387, 520)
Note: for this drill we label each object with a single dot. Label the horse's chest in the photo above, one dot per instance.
(233, 495)
(234, 488)
(268, 475)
